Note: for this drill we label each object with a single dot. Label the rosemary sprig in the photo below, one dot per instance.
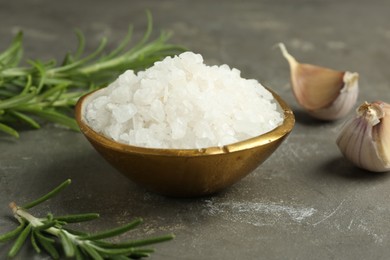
(48, 233)
(47, 90)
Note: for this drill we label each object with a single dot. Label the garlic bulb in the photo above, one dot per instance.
(365, 139)
(324, 93)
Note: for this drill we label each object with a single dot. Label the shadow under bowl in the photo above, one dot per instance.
(187, 172)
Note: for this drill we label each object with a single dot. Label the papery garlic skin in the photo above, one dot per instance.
(381, 134)
(324, 93)
(365, 139)
(343, 103)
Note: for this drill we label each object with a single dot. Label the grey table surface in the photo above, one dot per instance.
(304, 202)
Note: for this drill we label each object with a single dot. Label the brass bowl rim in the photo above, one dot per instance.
(269, 137)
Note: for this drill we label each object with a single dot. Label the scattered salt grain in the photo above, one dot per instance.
(182, 103)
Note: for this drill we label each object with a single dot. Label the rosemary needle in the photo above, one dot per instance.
(48, 90)
(49, 232)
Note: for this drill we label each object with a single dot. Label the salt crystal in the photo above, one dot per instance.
(122, 113)
(182, 103)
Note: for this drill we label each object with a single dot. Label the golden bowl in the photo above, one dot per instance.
(188, 172)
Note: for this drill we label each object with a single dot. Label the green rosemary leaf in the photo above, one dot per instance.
(54, 98)
(17, 56)
(46, 225)
(11, 53)
(77, 253)
(77, 217)
(34, 243)
(81, 45)
(40, 236)
(75, 232)
(91, 252)
(25, 118)
(149, 241)
(48, 195)
(12, 73)
(49, 216)
(117, 251)
(78, 63)
(5, 93)
(50, 92)
(67, 82)
(126, 58)
(144, 250)
(121, 47)
(125, 251)
(40, 68)
(136, 243)
(27, 85)
(138, 255)
(16, 41)
(13, 87)
(48, 246)
(8, 130)
(16, 100)
(119, 257)
(68, 59)
(115, 231)
(67, 245)
(13, 233)
(147, 33)
(20, 241)
(56, 117)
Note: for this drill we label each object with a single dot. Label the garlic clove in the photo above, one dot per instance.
(365, 139)
(381, 133)
(325, 93)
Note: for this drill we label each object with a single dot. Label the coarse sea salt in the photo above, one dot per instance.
(182, 103)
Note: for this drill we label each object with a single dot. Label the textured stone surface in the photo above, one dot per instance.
(305, 202)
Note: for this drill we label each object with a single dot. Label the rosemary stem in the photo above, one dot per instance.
(35, 222)
(20, 213)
